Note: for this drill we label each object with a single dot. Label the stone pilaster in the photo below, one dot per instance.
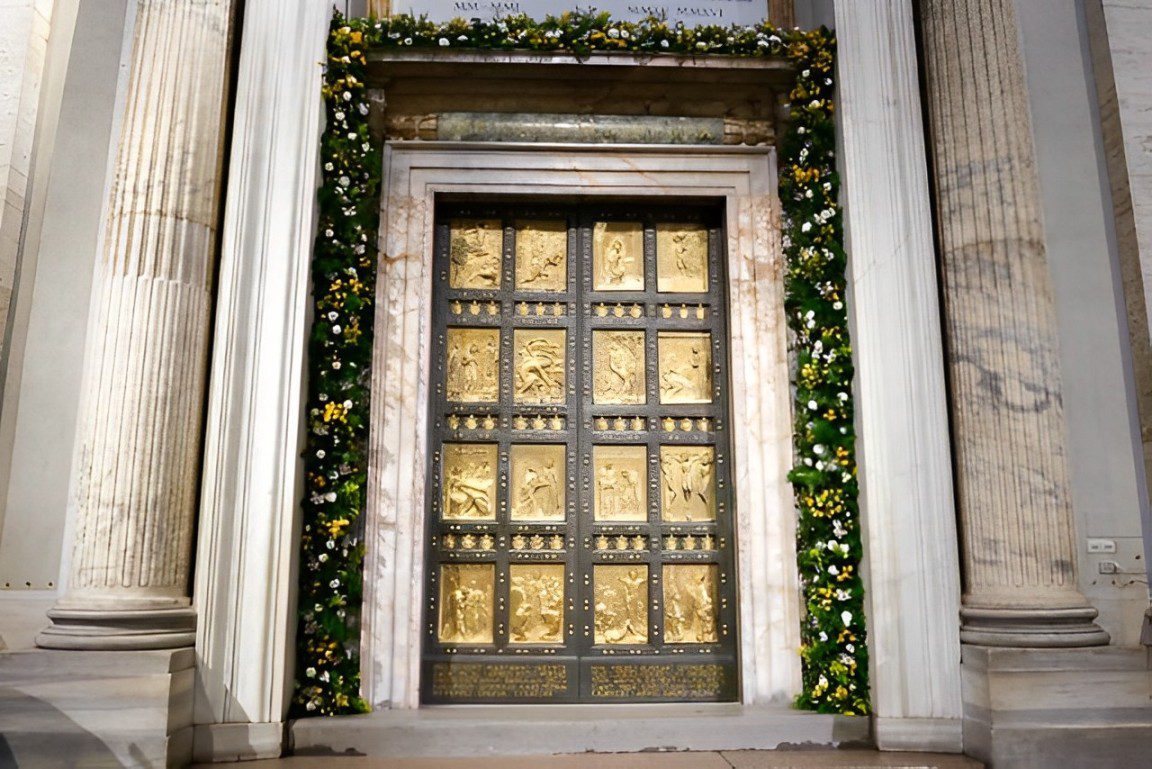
(1018, 540)
(136, 466)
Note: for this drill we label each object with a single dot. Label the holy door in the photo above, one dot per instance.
(579, 538)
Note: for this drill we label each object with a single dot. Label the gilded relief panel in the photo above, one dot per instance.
(690, 603)
(687, 483)
(621, 598)
(685, 366)
(536, 605)
(469, 481)
(618, 256)
(681, 258)
(541, 255)
(466, 602)
(538, 474)
(618, 367)
(475, 250)
(620, 475)
(539, 365)
(473, 365)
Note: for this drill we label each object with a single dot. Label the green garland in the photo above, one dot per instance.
(828, 537)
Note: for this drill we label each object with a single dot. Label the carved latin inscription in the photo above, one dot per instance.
(475, 248)
(618, 367)
(618, 256)
(541, 256)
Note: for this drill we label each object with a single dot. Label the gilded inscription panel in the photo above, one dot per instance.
(620, 476)
(536, 605)
(541, 255)
(473, 365)
(621, 610)
(539, 365)
(469, 481)
(675, 681)
(681, 258)
(687, 483)
(475, 249)
(498, 681)
(690, 603)
(466, 601)
(685, 366)
(618, 256)
(618, 367)
(538, 473)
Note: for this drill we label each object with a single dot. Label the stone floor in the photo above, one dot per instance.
(738, 759)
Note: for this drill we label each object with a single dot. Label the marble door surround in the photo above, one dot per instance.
(415, 174)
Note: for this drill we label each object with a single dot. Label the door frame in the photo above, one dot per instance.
(745, 179)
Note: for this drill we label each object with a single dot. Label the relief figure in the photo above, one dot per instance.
(618, 256)
(541, 254)
(690, 603)
(618, 358)
(681, 258)
(537, 603)
(687, 483)
(472, 365)
(621, 604)
(469, 479)
(537, 475)
(475, 247)
(540, 366)
(466, 603)
(619, 478)
(685, 363)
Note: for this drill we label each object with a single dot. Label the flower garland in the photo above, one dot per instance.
(828, 537)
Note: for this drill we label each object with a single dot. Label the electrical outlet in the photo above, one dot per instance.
(1102, 546)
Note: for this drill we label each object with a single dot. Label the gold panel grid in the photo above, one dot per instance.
(681, 258)
(476, 247)
(469, 481)
(618, 256)
(539, 365)
(620, 475)
(541, 256)
(536, 605)
(690, 603)
(687, 483)
(466, 602)
(473, 365)
(621, 610)
(538, 473)
(685, 359)
(618, 367)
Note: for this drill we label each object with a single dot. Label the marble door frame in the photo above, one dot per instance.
(414, 174)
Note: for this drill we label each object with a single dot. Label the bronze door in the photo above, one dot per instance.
(579, 541)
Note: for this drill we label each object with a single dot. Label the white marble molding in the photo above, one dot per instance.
(913, 576)
(414, 174)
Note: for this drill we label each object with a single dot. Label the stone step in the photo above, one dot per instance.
(474, 731)
(43, 665)
(741, 759)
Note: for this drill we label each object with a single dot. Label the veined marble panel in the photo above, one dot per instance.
(761, 414)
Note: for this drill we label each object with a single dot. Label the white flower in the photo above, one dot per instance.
(322, 558)
(462, 39)
(818, 449)
(613, 33)
(344, 181)
(321, 453)
(347, 96)
(336, 330)
(330, 544)
(664, 43)
(806, 227)
(310, 705)
(334, 584)
(823, 636)
(333, 315)
(363, 108)
(842, 396)
(330, 497)
(443, 42)
(348, 404)
(328, 166)
(813, 405)
(335, 365)
(833, 570)
(339, 115)
(407, 41)
(846, 618)
(837, 305)
(310, 672)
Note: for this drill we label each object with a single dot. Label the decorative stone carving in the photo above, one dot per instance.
(1018, 540)
(137, 462)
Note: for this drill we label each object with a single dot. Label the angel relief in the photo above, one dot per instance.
(475, 247)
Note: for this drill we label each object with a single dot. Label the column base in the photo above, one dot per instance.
(117, 629)
(1036, 628)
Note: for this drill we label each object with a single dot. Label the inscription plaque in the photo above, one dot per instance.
(498, 681)
(658, 682)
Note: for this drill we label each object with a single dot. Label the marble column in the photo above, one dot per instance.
(136, 468)
(1018, 539)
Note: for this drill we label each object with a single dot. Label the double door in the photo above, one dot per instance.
(579, 525)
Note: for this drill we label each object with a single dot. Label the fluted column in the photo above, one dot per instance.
(136, 465)
(1017, 530)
